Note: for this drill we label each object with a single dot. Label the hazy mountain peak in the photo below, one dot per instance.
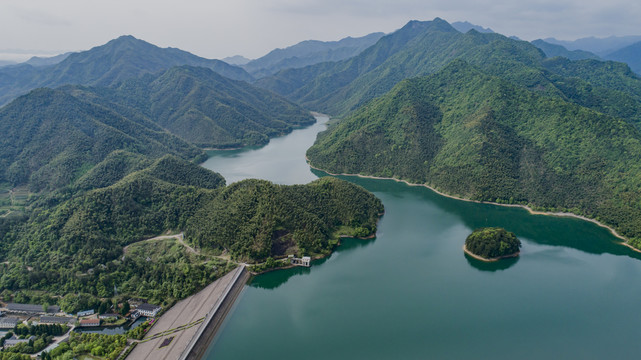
(236, 60)
(310, 52)
(630, 55)
(464, 26)
(120, 59)
(437, 24)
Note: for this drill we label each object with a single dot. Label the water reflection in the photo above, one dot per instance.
(541, 229)
(491, 266)
(275, 279)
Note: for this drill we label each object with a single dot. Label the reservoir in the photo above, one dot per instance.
(411, 293)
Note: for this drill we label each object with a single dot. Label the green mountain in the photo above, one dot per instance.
(553, 50)
(422, 48)
(327, 86)
(308, 53)
(202, 107)
(630, 55)
(478, 136)
(119, 59)
(81, 240)
(51, 138)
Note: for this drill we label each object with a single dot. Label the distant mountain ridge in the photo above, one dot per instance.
(464, 26)
(552, 50)
(630, 55)
(46, 61)
(423, 47)
(598, 46)
(236, 60)
(119, 59)
(310, 52)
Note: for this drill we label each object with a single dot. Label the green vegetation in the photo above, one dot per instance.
(202, 107)
(13, 356)
(90, 242)
(98, 345)
(255, 219)
(54, 330)
(481, 137)
(492, 243)
(422, 48)
(54, 138)
(43, 336)
(51, 138)
(139, 331)
(269, 264)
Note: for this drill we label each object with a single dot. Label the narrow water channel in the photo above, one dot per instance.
(411, 293)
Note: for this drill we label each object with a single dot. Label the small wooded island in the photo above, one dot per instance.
(492, 244)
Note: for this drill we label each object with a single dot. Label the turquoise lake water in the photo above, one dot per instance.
(411, 293)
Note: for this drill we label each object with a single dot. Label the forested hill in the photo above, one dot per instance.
(51, 138)
(422, 48)
(81, 240)
(203, 107)
(119, 59)
(478, 136)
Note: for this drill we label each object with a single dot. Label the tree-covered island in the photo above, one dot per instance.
(492, 244)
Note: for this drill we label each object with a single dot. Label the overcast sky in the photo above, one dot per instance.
(220, 28)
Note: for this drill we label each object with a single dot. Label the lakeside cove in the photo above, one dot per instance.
(400, 294)
(624, 241)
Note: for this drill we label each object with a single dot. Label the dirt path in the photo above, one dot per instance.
(179, 237)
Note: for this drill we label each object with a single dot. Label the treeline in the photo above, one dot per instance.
(40, 329)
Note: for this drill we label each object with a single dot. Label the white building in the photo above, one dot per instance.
(8, 322)
(148, 310)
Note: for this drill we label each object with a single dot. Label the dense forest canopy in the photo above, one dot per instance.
(492, 243)
(424, 47)
(479, 136)
(90, 242)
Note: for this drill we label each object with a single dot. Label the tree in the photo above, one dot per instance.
(125, 308)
